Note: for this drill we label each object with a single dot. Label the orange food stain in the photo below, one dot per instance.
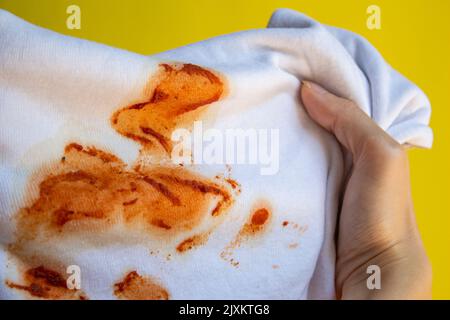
(88, 189)
(192, 242)
(260, 217)
(92, 151)
(178, 98)
(234, 184)
(45, 283)
(234, 263)
(256, 224)
(154, 252)
(137, 287)
(301, 229)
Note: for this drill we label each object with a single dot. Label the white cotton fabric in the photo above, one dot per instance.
(55, 89)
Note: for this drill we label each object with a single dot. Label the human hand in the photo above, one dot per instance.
(376, 224)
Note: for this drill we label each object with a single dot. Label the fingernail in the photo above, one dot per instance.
(314, 89)
(306, 84)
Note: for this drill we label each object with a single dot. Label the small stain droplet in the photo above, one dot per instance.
(136, 287)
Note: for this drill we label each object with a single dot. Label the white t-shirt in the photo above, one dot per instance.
(92, 191)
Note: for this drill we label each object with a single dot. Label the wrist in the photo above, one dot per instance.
(404, 271)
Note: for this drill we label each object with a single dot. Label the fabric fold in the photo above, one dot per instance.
(88, 178)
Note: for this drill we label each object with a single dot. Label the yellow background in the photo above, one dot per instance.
(415, 39)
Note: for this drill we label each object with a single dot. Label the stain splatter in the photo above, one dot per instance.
(294, 227)
(154, 252)
(256, 224)
(234, 184)
(234, 262)
(95, 187)
(301, 229)
(92, 151)
(44, 283)
(88, 191)
(137, 287)
(192, 242)
(91, 191)
(259, 218)
(178, 98)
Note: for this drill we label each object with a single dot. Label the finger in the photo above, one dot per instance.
(352, 127)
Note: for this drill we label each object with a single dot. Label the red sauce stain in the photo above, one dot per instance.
(45, 283)
(192, 242)
(256, 224)
(275, 266)
(86, 189)
(260, 217)
(294, 226)
(181, 92)
(301, 229)
(234, 262)
(154, 252)
(137, 287)
(92, 151)
(160, 224)
(91, 190)
(234, 184)
(128, 203)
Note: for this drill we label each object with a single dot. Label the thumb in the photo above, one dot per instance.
(343, 118)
